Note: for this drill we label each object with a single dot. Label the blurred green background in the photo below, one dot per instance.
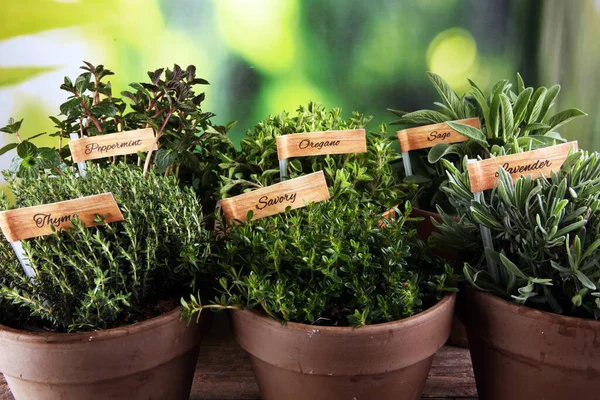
(263, 56)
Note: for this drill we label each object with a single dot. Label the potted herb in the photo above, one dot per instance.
(511, 121)
(370, 173)
(532, 317)
(332, 301)
(100, 317)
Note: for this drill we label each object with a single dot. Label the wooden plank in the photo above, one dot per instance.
(483, 174)
(29, 222)
(423, 137)
(113, 144)
(321, 143)
(295, 193)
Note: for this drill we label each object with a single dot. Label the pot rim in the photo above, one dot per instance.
(545, 316)
(98, 335)
(413, 320)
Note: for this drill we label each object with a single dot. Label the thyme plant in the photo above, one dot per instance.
(370, 174)
(112, 274)
(512, 121)
(546, 235)
(333, 263)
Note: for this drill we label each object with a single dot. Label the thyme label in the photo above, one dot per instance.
(28, 222)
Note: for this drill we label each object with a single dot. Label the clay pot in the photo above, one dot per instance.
(154, 359)
(378, 362)
(519, 353)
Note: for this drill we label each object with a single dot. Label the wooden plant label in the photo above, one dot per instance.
(29, 222)
(113, 144)
(423, 137)
(483, 174)
(274, 199)
(319, 143)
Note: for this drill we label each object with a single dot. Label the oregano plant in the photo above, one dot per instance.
(370, 174)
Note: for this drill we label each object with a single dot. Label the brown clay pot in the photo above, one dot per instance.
(378, 362)
(519, 353)
(154, 359)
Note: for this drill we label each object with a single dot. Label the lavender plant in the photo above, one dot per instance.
(546, 236)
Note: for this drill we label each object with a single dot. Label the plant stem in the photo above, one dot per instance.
(162, 129)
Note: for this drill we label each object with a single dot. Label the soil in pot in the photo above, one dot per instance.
(154, 359)
(520, 353)
(375, 362)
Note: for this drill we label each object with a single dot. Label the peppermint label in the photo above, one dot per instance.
(113, 144)
(271, 200)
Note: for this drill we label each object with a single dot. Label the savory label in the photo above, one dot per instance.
(422, 137)
(29, 222)
(295, 193)
(113, 144)
(321, 143)
(483, 174)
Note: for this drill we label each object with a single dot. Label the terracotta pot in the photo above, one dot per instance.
(154, 359)
(522, 353)
(379, 362)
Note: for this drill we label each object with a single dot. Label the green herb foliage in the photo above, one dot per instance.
(512, 121)
(546, 236)
(107, 275)
(331, 263)
(369, 174)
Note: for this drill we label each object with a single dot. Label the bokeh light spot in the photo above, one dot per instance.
(453, 55)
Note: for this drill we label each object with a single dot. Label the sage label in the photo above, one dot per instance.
(483, 174)
(423, 137)
(28, 222)
(321, 143)
(271, 200)
(113, 144)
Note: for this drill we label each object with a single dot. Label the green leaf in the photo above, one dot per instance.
(8, 148)
(71, 107)
(549, 101)
(507, 116)
(520, 84)
(420, 116)
(536, 104)
(441, 149)
(47, 158)
(82, 82)
(468, 131)
(105, 107)
(520, 107)
(26, 149)
(585, 281)
(165, 157)
(511, 267)
(564, 116)
(448, 95)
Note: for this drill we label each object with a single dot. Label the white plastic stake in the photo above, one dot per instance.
(80, 165)
(486, 237)
(407, 166)
(283, 169)
(18, 248)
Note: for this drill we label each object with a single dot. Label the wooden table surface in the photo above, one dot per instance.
(224, 372)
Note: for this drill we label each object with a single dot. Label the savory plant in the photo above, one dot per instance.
(370, 174)
(112, 274)
(334, 263)
(546, 235)
(511, 122)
